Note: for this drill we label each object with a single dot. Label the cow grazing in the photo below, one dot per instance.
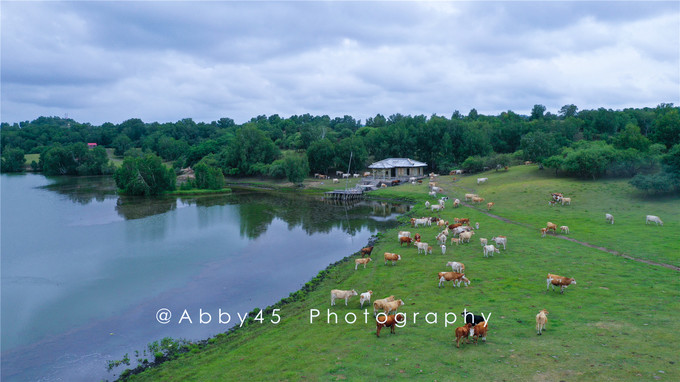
(393, 257)
(455, 240)
(365, 297)
(448, 276)
(390, 321)
(551, 227)
(651, 218)
(340, 294)
(336, 180)
(483, 241)
(462, 332)
(543, 231)
(490, 249)
(489, 205)
(564, 229)
(609, 217)
(541, 320)
(562, 282)
(406, 240)
(366, 251)
(417, 237)
(363, 261)
(456, 266)
(469, 197)
(477, 225)
(405, 233)
(566, 201)
(482, 180)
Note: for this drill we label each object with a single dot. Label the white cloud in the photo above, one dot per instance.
(162, 61)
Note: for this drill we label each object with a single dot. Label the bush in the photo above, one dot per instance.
(144, 176)
(473, 164)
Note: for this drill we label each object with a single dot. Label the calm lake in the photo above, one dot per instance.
(84, 271)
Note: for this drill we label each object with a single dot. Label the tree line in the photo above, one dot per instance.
(637, 142)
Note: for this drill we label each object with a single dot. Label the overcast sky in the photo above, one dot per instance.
(167, 60)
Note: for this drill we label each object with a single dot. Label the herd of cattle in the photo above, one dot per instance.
(459, 232)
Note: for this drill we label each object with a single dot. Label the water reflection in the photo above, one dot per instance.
(83, 189)
(256, 209)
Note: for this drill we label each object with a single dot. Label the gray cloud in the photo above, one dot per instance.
(163, 61)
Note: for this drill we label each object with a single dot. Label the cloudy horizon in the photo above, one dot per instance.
(164, 61)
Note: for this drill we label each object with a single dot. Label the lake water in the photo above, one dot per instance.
(84, 271)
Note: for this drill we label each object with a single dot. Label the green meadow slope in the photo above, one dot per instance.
(619, 322)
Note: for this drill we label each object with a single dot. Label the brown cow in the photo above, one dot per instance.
(480, 331)
(406, 240)
(463, 332)
(560, 281)
(366, 251)
(390, 321)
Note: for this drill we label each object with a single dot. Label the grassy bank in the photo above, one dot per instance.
(196, 191)
(618, 323)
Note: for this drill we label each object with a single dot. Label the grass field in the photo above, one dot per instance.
(618, 323)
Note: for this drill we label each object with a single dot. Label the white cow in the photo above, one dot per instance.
(490, 249)
(500, 240)
(654, 219)
(609, 217)
(481, 180)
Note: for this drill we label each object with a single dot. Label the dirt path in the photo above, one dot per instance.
(611, 251)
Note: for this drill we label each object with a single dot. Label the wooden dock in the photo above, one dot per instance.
(352, 194)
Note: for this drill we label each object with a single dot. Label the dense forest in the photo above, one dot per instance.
(641, 143)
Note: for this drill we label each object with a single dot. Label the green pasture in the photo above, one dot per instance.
(619, 322)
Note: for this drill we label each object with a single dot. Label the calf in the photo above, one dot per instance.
(363, 261)
(489, 205)
(390, 321)
(465, 236)
(443, 249)
(479, 331)
(365, 297)
(417, 237)
(481, 180)
(564, 229)
(543, 232)
(562, 282)
(566, 201)
(541, 320)
(462, 332)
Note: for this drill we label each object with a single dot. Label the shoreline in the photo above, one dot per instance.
(309, 286)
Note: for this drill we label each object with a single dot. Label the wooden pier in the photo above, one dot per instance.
(352, 194)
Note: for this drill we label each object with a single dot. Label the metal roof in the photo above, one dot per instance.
(397, 162)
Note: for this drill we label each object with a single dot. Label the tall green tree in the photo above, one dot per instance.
(144, 176)
(13, 160)
(320, 156)
(296, 167)
(248, 152)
